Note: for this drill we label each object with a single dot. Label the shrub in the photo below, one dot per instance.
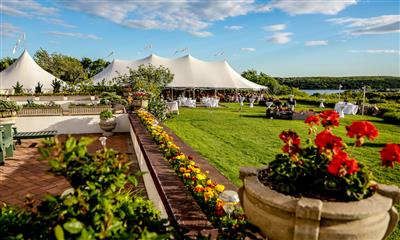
(106, 114)
(392, 117)
(56, 84)
(18, 89)
(104, 204)
(38, 88)
(7, 107)
(112, 98)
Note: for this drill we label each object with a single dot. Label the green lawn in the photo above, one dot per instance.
(230, 138)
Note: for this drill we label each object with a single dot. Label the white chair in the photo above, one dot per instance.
(173, 107)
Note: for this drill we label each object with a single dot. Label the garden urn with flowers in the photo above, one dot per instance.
(140, 100)
(318, 191)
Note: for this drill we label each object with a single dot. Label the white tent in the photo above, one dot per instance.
(189, 72)
(25, 71)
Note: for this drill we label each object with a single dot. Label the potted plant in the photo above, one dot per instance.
(107, 122)
(8, 111)
(140, 100)
(319, 191)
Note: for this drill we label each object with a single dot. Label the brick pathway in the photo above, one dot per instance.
(24, 174)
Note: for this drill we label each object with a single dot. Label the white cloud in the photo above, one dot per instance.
(374, 25)
(33, 10)
(26, 8)
(377, 51)
(234, 27)
(56, 21)
(201, 34)
(74, 34)
(248, 49)
(276, 27)
(193, 17)
(280, 37)
(9, 30)
(316, 43)
(297, 7)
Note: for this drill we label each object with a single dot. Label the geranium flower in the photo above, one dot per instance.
(325, 140)
(290, 137)
(329, 118)
(390, 154)
(312, 120)
(292, 141)
(340, 165)
(360, 130)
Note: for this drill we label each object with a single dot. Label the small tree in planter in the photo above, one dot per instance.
(56, 84)
(38, 89)
(18, 89)
(107, 122)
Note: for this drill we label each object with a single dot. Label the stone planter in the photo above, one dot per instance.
(8, 117)
(282, 217)
(137, 104)
(108, 125)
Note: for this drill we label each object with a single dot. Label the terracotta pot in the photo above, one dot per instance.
(108, 125)
(282, 217)
(137, 104)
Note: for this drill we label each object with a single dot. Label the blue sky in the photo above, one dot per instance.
(278, 37)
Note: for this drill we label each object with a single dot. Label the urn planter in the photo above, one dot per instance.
(137, 104)
(283, 217)
(108, 125)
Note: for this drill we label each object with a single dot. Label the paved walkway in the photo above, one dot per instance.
(23, 174)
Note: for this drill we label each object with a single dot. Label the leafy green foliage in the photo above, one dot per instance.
(353, 82)
(56, 84)
(18, 88)
(32, 104)
(158, 108)
(148, 78)
(6, 107)
(106, 114)
(104, 204)
(111, 98)
(38, 88)
(92, 68)
(6, 62)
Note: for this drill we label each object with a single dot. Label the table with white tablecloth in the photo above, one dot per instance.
(210, 102)
(173, 107)
(347, 108)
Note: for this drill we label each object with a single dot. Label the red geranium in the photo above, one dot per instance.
(325, 140)
(341, 164)
(290, 137)
(292, 140)
(390, 154)
(312, 120)
(360, 130)
(329, 118)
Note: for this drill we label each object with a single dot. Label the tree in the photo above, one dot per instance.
(64, 67)
(6, 62)
(148, 78)
(262, 79)
(92, 68)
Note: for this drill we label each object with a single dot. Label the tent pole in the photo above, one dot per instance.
(172, 93)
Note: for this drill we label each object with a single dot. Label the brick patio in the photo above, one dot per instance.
(23, 174)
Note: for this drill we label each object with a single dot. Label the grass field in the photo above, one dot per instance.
(230, 138)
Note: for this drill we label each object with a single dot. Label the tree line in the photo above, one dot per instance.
(352, 82)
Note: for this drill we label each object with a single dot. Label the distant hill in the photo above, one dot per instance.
(354, 82)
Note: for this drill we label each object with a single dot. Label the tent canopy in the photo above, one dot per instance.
(25, 71)
(189, 72)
